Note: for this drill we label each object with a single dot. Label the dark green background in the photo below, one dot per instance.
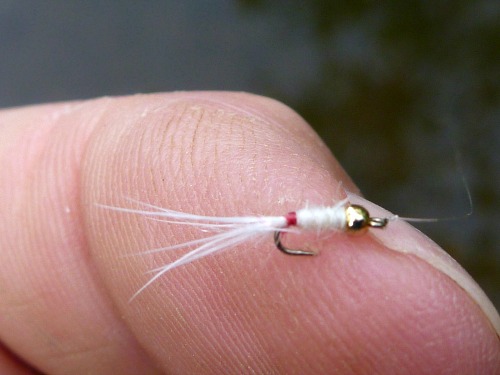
(393, 87)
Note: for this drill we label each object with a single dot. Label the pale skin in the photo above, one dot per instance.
(65, 280)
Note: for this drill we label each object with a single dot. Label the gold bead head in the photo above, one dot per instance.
(358, 219)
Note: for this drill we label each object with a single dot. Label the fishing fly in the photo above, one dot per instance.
(231, 231)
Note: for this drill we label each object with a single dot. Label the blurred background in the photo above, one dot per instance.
(394, 88)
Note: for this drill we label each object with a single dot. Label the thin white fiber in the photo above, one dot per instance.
(229, 232)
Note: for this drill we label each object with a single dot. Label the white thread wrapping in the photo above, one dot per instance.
(320, 218)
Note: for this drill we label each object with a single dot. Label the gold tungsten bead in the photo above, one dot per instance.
(357, 219)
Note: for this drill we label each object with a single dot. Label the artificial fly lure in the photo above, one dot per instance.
(232, 231)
